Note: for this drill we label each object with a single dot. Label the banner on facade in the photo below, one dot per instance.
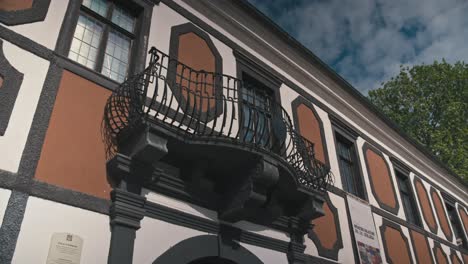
(365, 234)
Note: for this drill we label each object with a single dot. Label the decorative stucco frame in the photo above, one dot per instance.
(444, 212)
(176, 32)
(37, 12)
(389, 224)
(325, 252)
(453, 254)
(426, 243)
(434, 250)
(395, 209)
(431, 207)
(12, 80)
(294, 105)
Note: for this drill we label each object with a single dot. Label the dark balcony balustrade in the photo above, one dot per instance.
(217, 131)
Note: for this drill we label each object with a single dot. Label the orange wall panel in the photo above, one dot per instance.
(421, 248)
(464, 217)
(443, 220)
(381, 181)
(309, 128)
(396, 249)
(425, 205)
(194, 52)
(325, 228)
(455, 259)
(73, 153)
(15, 5)
(440, 256)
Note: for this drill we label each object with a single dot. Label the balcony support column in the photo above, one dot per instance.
(127, 207)
(127, 175)
(298, 228)
(300, 225)
(126, 212)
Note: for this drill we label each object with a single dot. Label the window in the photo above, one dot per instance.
(407, 198)
(349, 168)
(456, 225)
(256, 112)
(103, 38)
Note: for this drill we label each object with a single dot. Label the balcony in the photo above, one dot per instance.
(241, 151)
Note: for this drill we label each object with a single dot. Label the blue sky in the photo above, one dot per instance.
(366, 41)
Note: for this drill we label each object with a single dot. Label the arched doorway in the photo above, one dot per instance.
(207, 249)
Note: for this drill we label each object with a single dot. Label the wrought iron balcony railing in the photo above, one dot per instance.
(213, 108)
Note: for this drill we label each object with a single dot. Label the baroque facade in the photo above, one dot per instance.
(197, 131)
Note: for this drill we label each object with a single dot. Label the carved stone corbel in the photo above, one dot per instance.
(249, 194)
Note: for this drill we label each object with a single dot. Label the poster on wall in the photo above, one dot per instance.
(65, 248)
(364, 231)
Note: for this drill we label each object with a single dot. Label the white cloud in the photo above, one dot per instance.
(367, 40)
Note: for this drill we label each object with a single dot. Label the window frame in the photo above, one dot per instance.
(400, 174)
(262, 114)
(272, 84)
(450, 203)
(143, 12)
(341, 130)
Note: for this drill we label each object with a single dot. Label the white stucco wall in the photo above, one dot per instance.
(155, 237)
(43, 218)
(267, 256)
(4, 197)
(212, 215)
(378, 223)
(34, 69)
(45, 32)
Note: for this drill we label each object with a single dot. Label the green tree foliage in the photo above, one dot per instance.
(430, 103)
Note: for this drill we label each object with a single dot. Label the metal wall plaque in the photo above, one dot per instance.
(65, 248)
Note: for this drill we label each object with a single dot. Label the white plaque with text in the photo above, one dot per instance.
(65, 248)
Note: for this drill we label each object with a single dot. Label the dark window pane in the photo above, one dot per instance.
(255, 112)
(409, 210)
(402, 183)
(348, 175)
(85, 43)
(407, 198)
(123, 19)
(98, 6)
(456, 225)
(109, 56)
(116, 58)
(248, 124)
(345, 152)
(347, 163)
